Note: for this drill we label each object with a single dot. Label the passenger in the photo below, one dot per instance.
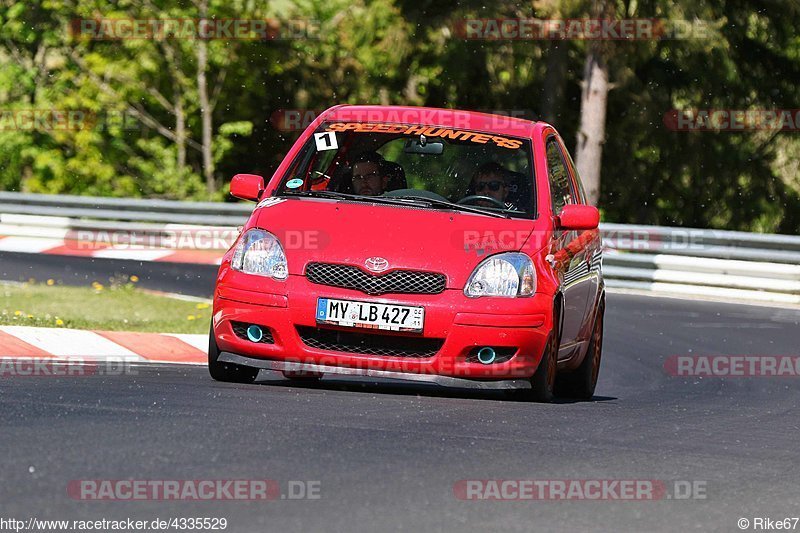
(370, 174)
(490, 180)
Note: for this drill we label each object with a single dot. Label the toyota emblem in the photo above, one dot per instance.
(376, 264)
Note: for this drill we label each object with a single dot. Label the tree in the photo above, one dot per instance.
(175, 117)
(594, 101)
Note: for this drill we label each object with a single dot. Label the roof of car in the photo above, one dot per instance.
(431, 116)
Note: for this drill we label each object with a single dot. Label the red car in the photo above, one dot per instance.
(413, 243)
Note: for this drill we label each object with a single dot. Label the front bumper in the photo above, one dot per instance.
(446, 381)
(520, 325)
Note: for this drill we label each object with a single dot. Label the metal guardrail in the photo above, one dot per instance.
(703, 262)
(125, 209)
(679, 260)
(718, 244)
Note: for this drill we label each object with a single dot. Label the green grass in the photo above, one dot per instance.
(119, 307)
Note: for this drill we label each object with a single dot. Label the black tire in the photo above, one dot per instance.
(544, 380)
(581, 382)
(227, 372)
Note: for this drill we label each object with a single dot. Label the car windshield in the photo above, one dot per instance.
(470, 170)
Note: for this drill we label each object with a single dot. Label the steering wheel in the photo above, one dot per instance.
(473, 198)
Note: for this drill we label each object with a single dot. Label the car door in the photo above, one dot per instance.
(569, 256)
(593, 249)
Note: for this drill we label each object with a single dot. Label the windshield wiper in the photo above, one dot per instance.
(433, 202)
(318, 194)
(399, 200)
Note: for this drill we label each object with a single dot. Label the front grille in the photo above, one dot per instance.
(240, 329)
(397, 281)
(368, 343)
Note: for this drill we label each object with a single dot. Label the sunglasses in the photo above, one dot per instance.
(371, 175)
(493, 186)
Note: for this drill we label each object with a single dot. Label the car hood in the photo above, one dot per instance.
(347, 232)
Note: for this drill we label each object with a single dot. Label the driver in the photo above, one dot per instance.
(370, 174)
(490, 180)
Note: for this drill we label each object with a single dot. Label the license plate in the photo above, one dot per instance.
(370, 315)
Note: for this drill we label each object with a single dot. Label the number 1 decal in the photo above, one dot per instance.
(326, 141)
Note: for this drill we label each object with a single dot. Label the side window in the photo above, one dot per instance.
(311, 170)
(574, 171)
(560, 183)
(320, 166)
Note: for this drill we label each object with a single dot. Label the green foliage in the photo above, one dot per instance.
(228, 133)
(404, 52)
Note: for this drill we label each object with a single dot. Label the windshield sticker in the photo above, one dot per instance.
(427, 131)
(294, 183)
(269, 202)
(326, 141)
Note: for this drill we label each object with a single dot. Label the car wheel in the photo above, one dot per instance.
(226, 371)
(581, 382)
(544, 380)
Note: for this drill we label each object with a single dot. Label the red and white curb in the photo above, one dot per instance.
(36, 245)
(21, 342)
(175, 243)
(72, 248)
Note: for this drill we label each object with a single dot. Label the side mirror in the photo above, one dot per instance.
(247, 186)
(578, 217)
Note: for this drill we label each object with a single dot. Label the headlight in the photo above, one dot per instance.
(260, 253)
(508, 274)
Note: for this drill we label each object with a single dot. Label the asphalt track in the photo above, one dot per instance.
(182, 278)
(387, 455)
